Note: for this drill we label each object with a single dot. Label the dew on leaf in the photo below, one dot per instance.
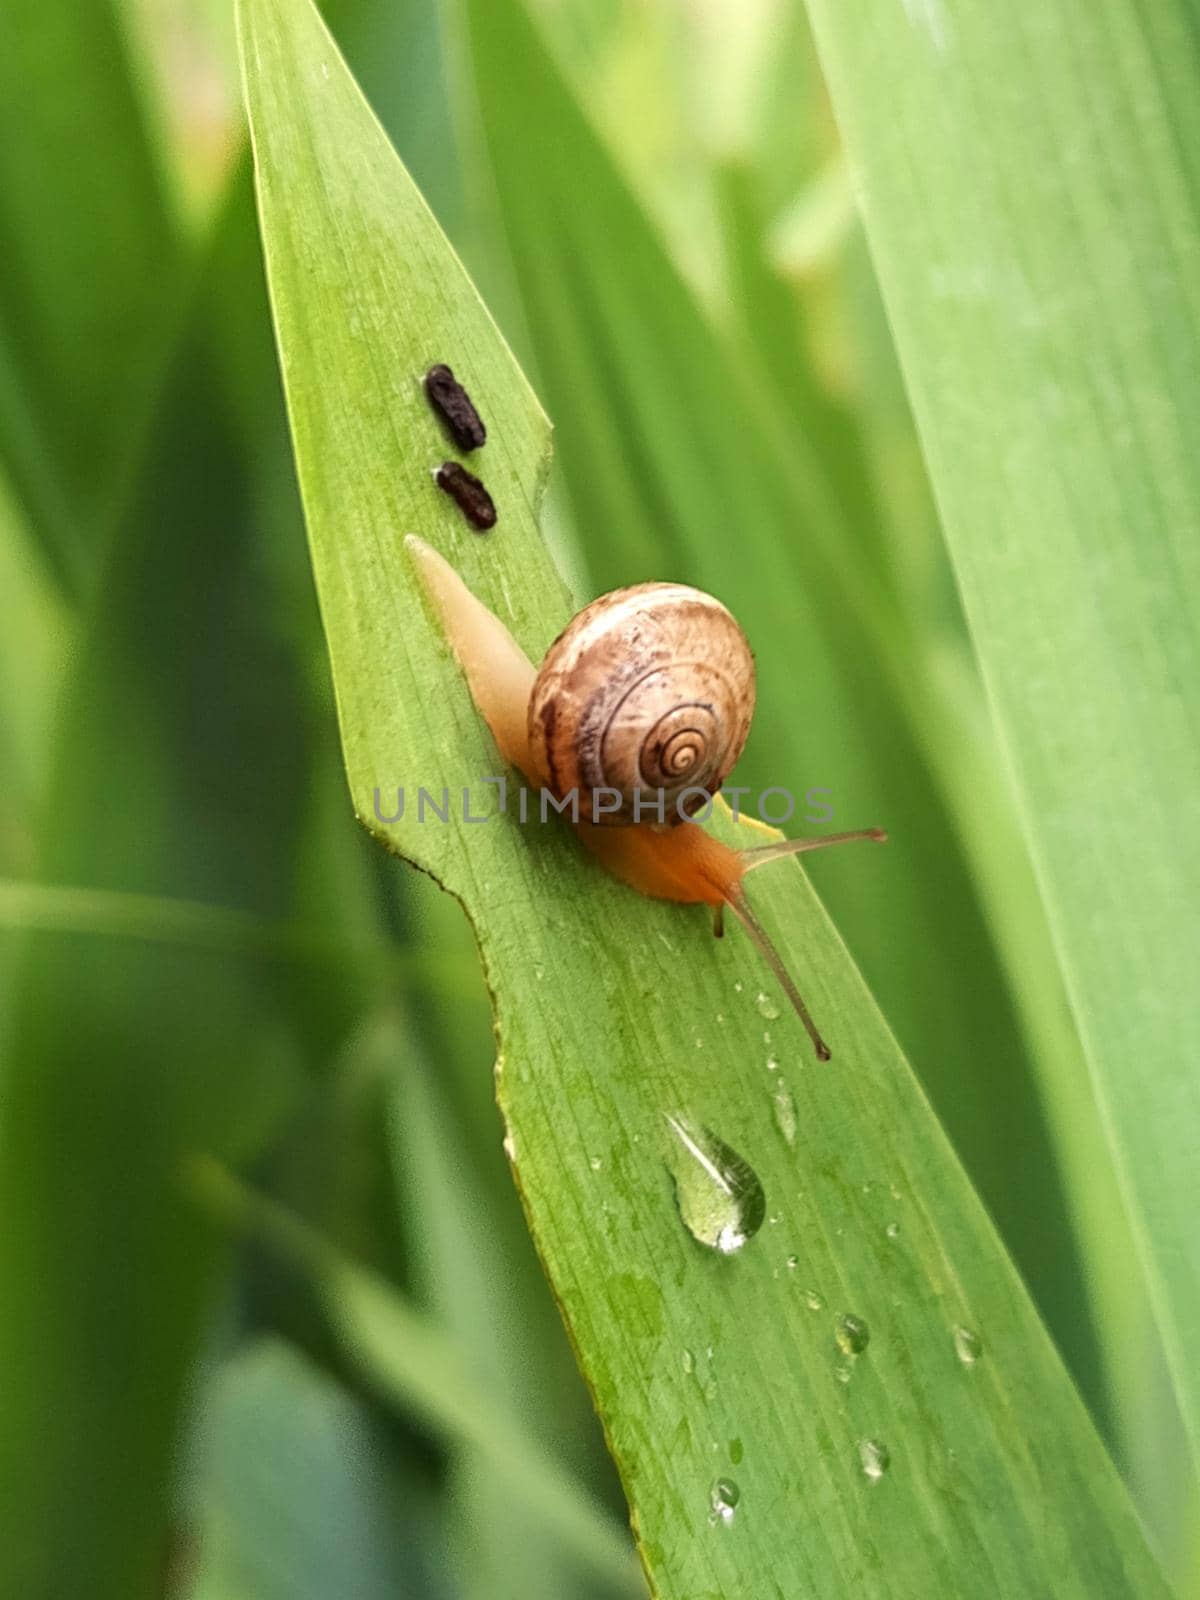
(852, 1334)
(723, 1501)
(720, 1199)
(968, 1346)
(875, 1458)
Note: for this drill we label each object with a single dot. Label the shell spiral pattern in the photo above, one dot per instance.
(648, 689)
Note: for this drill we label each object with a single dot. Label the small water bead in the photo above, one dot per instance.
(814, 1300)
(968, 1346)
(595, 1163)
(510, 1148)
(843, 1372)
(689, 1362)
(772, 1064)
(792, 1263)
(766, 1006)
(720, 1199)
(783, 1106)
(875, 1458)
(852, 1334)
(723, 1501)
(892, 1230)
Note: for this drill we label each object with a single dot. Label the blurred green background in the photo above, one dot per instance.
(206, 967)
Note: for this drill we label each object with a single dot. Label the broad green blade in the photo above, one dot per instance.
(295, 1499)
(138, 1024)
(1032, 199)
(684, 460)
(420, 1367)
(92, 279)
(866, 1370)
(464, 1273)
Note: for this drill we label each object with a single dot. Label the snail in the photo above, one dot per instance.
(647, 689)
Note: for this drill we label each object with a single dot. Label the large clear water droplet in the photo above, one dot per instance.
(852, 1335)
(875, 1457)
(720, 1199)
(766, 1006)
(723, 1500)
(968, 1346)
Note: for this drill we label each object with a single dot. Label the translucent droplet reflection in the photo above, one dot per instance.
(968, 1346)
(723, 1501)
(875, 1459)
(720, 1198)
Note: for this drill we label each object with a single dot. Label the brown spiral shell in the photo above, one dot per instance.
(649, 688)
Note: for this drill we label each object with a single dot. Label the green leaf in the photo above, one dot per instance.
(93, 274)
(294, 1500)
(621, 1022)
(683, 460)
(136, 1027)
(1032, 200)
(422, 1370)
(466, 1272)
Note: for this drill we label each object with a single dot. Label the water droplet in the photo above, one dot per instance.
(595, 1163)
(892, 1230)
(784, 1107)
(852, 1334)
(720, 1199)
(510, 1149)
(813, 1300)
(766, 1006)
(737, 988)
(736, 1452)
(792, 1263)
(689, 1361)
(842, 1372)
(875, 1457)
(772, 1064)
(968, 1346)
(723, 1500)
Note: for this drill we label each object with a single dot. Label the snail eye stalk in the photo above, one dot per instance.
(762, 854)
(735, 898)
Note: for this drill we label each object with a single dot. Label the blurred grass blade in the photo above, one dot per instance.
(421, 1369)
(618, 1017)
(182, 729)
(295, 1500)
(93, 273)
(201, 925)
(1032, 199)
(463, 1269)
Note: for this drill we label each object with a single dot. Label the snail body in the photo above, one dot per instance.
(647, 689)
